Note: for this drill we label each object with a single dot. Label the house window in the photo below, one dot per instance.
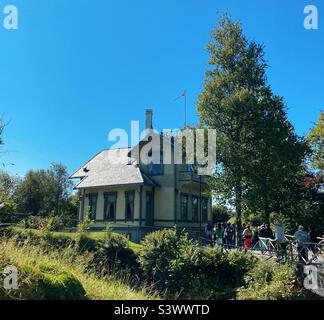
(110, 206)
(204, 209)
(93, 197)
(195, 209)
(184, 207)
(129, 203)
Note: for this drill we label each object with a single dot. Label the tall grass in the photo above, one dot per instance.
(97, 288)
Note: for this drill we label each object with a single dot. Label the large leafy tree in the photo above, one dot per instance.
(256, 146)
(236, 71)
(277, 156)
(8, 185)
(45, 191)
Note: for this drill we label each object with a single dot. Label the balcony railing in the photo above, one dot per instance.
(189, 176)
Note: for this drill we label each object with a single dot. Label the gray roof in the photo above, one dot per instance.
(111, 168)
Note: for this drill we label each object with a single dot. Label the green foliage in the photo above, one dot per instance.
(84, 225)
(7, 211)
(221, 213)
(257, 149)
(302, 204)
(316, 140)
(59, 274)
(52, 223)
(271, 281)
(71, 210)
(108, 256)
(112, 256)
(44, 192)
(158, 250)
(47, 283)
(8, 184)
(182, 269)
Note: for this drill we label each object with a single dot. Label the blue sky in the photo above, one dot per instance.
(76, 69)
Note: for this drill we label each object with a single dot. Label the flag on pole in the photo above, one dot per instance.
(184, 94)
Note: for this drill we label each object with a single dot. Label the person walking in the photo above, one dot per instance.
(247, 237)
(255, 238)
(301, 237)
(209, 231)
(229, 235)
(268, 232)
(218, 234)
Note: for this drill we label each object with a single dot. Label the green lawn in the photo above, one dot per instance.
(95, 235)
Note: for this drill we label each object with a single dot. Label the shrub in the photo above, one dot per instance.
(271, 281)
(181, 269)
(84, 225)
(113, 256)
(32, 222)
(159, 250)
(240, 263)
(47, 224)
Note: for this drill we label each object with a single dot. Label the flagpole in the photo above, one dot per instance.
(185, 108)
(184, 95)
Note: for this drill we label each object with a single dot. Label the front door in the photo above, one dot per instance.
(149, 209)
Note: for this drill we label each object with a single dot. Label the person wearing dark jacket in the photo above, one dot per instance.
(268, 232)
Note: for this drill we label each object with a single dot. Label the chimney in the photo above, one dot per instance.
(149, 119)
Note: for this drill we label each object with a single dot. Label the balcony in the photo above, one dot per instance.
(189, 176)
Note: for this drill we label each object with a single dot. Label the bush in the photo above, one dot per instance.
(159, 250)
(181, 269)
(84, 225)
(53, 223)
(271, 281)
(113, 256)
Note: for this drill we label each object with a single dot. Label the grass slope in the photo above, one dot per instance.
(53, 275)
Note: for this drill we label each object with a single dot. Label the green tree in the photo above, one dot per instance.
(71, 211)
(221, 213)
(62, 186)
(316, 140)
(255, 140)
(45, 192)
(277, 157)
(8, 185)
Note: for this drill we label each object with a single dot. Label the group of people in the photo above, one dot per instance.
(224, 234)
(221, 234)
